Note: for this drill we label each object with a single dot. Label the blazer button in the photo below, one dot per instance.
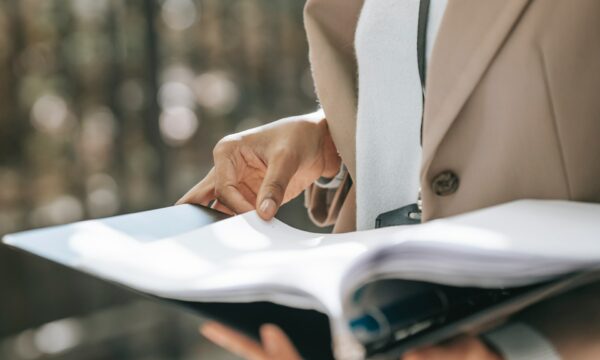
(445, 183)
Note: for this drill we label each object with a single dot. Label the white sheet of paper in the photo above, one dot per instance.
(165, 252)
(512, 244)
(169, 253)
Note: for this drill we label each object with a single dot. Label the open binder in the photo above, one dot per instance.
(388, 289)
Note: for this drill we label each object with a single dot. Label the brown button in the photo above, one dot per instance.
(445, 183)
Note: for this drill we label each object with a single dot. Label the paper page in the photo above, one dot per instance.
(170, 253)
(512, 244)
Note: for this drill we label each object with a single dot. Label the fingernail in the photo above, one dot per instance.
(267, 207)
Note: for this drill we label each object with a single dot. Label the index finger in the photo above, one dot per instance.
(202, 193)
(226, 187)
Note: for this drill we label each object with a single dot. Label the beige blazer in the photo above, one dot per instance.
(512, 104)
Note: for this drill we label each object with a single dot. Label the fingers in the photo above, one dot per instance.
(247, 192)
(234, 183)
(276, 344)
(429, 353)
(272, 191)
(202, 193)
(462, 348)
(226, 185)
(233, 341)
(222, 208)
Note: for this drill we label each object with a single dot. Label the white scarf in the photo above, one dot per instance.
(388, 150)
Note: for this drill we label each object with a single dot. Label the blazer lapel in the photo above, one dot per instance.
(470, 35)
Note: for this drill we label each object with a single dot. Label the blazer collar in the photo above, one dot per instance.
(470, 36)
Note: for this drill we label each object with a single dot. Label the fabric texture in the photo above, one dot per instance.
(388, 121)
(389, 110)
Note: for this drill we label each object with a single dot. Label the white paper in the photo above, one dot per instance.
(513, 244)
(169, 253)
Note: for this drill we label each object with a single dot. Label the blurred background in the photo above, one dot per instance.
(113, 106)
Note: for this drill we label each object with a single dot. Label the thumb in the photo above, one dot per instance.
(272, 191)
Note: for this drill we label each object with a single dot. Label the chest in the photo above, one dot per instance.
(386, 30)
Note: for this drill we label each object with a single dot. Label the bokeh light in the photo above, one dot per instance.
(57, 336)
(62, 209)
(49, 113)
(179, 14)
(216, 92)
(176, 94)
(90, 10)
(177, 125)
(102, 195)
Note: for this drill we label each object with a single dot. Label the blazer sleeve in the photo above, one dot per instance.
(330, 26)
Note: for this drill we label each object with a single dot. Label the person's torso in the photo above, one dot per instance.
(511, 109)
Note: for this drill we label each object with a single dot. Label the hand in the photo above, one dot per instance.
(462, 348)
(275, 345)
(264, 167)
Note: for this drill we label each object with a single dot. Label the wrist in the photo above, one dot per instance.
(332, 161)
(313, 128)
